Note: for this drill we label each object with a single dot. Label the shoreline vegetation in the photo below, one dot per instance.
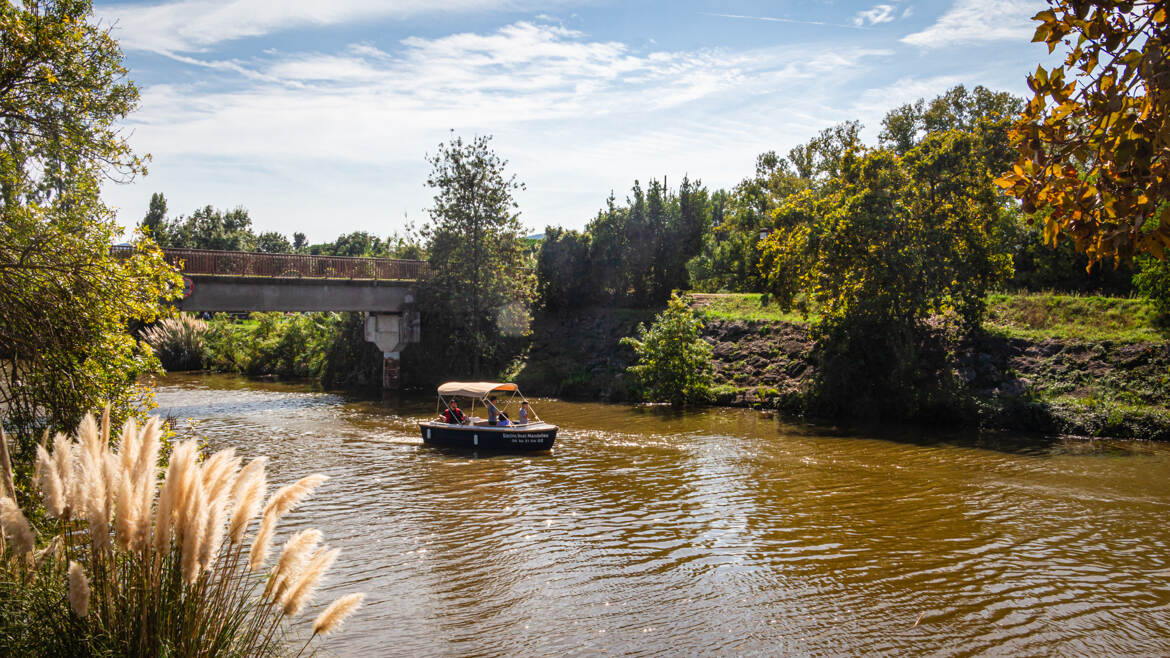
(1046, 363)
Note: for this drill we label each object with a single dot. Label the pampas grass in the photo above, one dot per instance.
(78, 590)
(150, 565)
(16, 527)
(178, 342)
(332, 617)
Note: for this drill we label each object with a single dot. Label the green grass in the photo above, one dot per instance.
(745, 306)
(1032, 316)
(1036, 316)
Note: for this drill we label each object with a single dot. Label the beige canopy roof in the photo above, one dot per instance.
(474, 389)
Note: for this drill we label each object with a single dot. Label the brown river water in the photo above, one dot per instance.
(717, 532)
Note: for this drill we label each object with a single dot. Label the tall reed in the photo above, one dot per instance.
(143, 565)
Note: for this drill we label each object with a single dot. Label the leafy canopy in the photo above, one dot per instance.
(479, 284)
(674, 362)
(1094, 141)
(65, 302)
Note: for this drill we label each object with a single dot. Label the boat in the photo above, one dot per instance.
(477, 432)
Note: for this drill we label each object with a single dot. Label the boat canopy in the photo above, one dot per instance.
(474, 389)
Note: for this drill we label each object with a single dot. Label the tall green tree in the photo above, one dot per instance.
(891, 243)
(66, 302)
(210, 228)
(156, 215)
(478, 271)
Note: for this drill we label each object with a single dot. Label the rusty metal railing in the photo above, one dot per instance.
(289, 266)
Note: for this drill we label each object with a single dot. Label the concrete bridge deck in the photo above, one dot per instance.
(233, 281)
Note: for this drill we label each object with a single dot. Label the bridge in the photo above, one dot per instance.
(233, 281)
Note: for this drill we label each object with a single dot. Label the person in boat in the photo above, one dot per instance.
(493, 412)
(503, 420)
(525, 414)
(453, 415)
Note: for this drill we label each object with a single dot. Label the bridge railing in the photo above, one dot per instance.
(290, 266)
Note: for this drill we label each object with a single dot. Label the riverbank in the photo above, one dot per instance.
(1044, 365)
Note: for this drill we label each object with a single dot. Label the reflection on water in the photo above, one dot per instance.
(650, 531)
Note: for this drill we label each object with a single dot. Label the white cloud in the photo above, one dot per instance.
(974, 21)
(193, 25)
(873, 16)
(577, 117)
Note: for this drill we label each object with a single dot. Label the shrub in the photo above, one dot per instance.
(674, 362)
(178, 342)
(126, 574)
(1153, 281)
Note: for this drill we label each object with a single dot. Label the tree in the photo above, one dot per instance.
(66, 302)
(892, 242)
(562, 270)
(156, 215)
(210, 228)
(273, 242)
(300, 241)
(1094, 141)
(476, 257)
(674, 362)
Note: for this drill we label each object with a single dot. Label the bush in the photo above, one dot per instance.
(119, 579)
(178, 342)
(674, 362)
(1153, 281)
(287, 345)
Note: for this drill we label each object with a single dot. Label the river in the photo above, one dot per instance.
(648, 531)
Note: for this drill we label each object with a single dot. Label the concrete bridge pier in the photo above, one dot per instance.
(391, 332)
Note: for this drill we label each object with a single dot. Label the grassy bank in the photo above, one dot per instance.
(1058, 364)
(1030, 316)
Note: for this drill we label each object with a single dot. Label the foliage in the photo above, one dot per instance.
(209, 228)
(632, 255)
(156, 214)
(177, 342)
(899, 239)
(893, 242)
(674, 362)
(287, 345)
(272, 242)
(1094, 149)
(67, 302)
(1044, 267)
(126, 575)
(1090, 318)
(1153, 281)
(477, 265)
(350, 360)
(563, 270)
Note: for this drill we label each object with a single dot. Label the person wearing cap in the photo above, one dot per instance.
(453, 415)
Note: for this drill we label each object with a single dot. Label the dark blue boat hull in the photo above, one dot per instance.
(489, 438)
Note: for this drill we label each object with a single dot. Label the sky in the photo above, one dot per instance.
(318, 116)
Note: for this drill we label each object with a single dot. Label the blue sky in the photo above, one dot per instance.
(317, 116)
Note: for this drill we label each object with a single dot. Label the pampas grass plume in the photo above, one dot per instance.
(288, 497)
(219, 474)
(248, 494)
(332, 617)
(262, 543)
(15, 525)
(63, 462)
(292, 558)
(302, 591)
(50, 483)
(78, 589)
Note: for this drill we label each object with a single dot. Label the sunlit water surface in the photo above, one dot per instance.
(652, 532)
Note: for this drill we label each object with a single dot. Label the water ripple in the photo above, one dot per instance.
(648, 531)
